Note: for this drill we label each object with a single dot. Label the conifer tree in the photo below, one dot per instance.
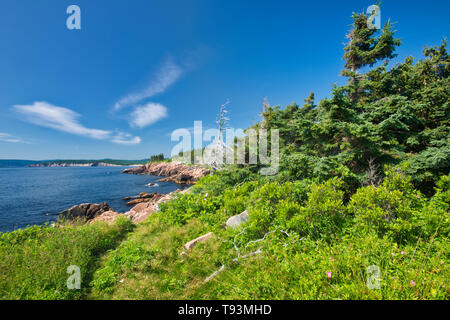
(366, 47)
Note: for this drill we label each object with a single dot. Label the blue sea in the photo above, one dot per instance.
(30, 196)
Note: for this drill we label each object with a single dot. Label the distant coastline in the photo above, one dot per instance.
(71, 163)
(92, 164)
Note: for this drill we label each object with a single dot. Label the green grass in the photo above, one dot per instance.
(34, 260)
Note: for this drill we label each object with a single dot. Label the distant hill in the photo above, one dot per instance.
(46, 163)
(16, 163)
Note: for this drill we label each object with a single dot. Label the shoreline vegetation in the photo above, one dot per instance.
(360, 207)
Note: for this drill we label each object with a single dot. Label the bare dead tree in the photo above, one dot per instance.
(216, 152)
(222, 119)
(373, 174)
(266, 106)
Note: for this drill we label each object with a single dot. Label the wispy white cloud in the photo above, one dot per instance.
(63, 119)
(59, 118)
(148, 114)
(6, 137)
(168, 74)
(125, 139)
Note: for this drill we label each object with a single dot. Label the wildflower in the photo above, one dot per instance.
(393, 254)
(403, 252)
(418, 196)
(412, 283)
(329, 274)
(331, 259)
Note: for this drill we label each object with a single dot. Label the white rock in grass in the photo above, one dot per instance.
(237, 220)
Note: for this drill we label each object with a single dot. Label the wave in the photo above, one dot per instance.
(152, 184)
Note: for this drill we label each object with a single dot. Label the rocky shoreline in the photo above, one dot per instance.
(177, 172)
(143, 204)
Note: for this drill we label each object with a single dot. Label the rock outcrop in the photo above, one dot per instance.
(177, 172)
(237, 220)
(140, 211)
(144, 197)
(144, 209)
(87, 211)
(108, 216)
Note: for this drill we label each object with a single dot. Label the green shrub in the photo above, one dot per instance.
(389, 208)
(324, 214)
(192, 205)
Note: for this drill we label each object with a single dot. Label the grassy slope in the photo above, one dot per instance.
(34, 261)
(149, 264)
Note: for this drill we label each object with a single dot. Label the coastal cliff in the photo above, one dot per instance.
(177, 172)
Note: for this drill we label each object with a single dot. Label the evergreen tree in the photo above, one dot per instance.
(364, 48)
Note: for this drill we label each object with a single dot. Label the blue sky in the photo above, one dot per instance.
(137, 70)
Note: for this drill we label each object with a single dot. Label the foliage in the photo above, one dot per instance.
(157, 157)
(312, 245)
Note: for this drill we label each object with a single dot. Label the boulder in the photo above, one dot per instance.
(145, 197)
(145, 208)
(86, 211)
(140, 211)
(108, 216)
(188, 246)
(237, 220)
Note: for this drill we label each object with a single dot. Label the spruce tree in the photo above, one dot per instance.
(366, 47)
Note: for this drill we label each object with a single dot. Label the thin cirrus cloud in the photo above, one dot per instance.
(167, 75)
(6, 137)
(63, 119)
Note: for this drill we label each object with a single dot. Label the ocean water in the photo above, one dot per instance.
(30, 196)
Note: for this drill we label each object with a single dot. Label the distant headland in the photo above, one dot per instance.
(70, 163)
